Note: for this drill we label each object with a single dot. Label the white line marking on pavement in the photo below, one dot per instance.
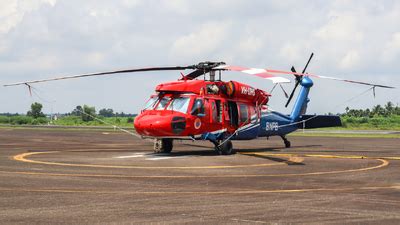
(136, 155)
(163, 157)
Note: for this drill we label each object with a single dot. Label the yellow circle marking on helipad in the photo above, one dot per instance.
(22, 158)
(322, 156)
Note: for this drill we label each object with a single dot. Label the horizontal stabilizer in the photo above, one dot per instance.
(319, 121)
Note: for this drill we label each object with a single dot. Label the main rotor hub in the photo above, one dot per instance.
(208, 65)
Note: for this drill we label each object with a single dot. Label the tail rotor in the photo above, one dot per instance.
(298, 79)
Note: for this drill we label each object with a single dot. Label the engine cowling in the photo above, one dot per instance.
(238, 90)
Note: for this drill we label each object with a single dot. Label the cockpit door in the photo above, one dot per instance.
(198, 108)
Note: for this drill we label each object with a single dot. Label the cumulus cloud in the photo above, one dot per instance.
(341, 27)
(204, 40)
(13, 11)
(391, 51)
(350, 60)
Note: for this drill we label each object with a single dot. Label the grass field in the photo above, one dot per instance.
(343, 134)
(349, 123)
(67, 121)
(375, 123)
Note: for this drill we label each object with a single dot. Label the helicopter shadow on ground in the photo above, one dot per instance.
(289, 161)
(211, 153)
(264, 149)
(276, 149)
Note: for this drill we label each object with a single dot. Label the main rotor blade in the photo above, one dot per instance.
(196, 74)
(263, 73)
(272, 75)
(326, 77)
(103, 73)
(349, 81)
(202, 68)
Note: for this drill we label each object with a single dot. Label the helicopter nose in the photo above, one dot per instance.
(156, 125)
(152, 125)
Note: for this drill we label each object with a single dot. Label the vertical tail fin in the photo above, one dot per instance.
(300, 105)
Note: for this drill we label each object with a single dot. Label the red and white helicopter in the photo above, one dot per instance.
(212, 109)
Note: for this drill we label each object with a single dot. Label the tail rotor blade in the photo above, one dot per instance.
(298, 79)
(308, 62)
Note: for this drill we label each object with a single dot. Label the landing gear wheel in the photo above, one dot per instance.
(163, 145)
(225, 149)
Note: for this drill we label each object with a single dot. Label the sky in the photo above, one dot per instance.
(357, 40)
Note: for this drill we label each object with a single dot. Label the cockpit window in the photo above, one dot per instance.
(179, 104)
(198, 107)
(163, 102)
(151, 103)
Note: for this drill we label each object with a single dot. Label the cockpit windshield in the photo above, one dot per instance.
(151, 103)
(163, 102)
(179, 104)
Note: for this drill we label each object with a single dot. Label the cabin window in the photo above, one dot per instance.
(151, 103)
(198, 107)
(253, 114)
(244, 113)
(179, 104)
(216, 111)
(163, 102)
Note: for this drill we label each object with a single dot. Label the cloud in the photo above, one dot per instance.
(291, 51)
(350, 60)
(13, 11)
(391, 52)
(202, 41)
(341, 27)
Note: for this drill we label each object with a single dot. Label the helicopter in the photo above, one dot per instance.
(220, 111)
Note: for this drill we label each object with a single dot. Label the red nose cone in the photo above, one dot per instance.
(153, 125)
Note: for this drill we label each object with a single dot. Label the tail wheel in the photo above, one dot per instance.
(226, 148)
(163, 145)
(287, 144)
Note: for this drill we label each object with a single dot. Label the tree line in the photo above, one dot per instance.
(86, 112)
(387, 110)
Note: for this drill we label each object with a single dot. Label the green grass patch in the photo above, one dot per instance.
(349, 122)
(371, 123)
(77, 121)
(67, 121)
(344, 135)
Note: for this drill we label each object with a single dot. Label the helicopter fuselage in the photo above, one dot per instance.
(198, 109)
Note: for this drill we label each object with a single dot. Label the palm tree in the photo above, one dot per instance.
(389, 108)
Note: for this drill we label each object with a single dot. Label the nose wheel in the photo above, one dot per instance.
(286, 141)
(164, 145)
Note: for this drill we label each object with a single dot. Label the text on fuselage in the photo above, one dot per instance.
(248, 91)
(272, 126)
